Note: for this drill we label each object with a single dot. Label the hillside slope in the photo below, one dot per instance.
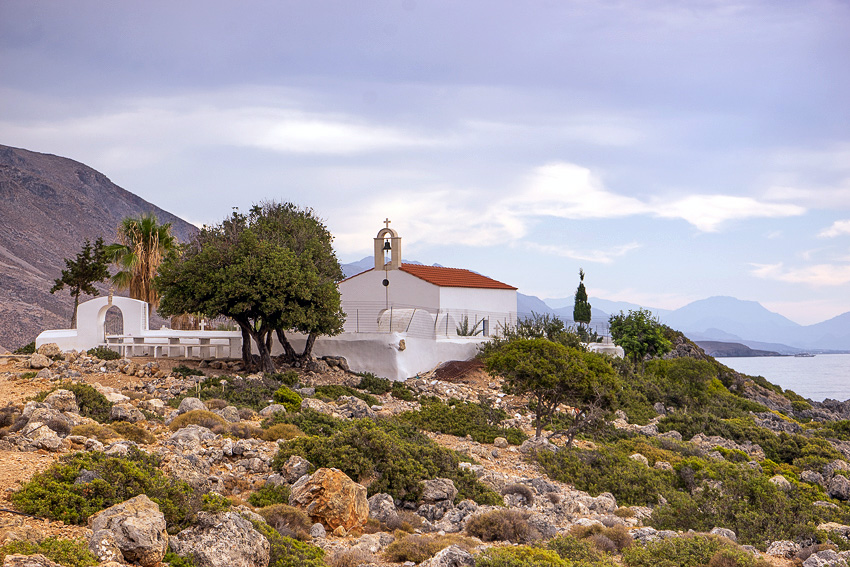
(48, 206)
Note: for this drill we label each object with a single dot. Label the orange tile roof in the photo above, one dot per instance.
(453, 277)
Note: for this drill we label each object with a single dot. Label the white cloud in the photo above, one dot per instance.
(708, 212)
(598, 256)
(818, 275)
(837, 229)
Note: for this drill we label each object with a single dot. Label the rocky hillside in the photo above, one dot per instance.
(48, 206)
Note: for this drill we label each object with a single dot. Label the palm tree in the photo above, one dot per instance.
(142, 245)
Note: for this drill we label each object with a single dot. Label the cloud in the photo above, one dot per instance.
(708, 212)
(598, 256)
(818, 275)
(837, 229)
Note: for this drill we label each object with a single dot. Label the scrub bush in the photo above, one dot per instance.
(70, 553)
(579, 551)
(289, 552)
(309, 421)
(287, 520)
(691, 551)
(418, 548)
(203, 418)
(520, 556)
(268, 495)
(235, 390)
(288, 398)
(504, 524)
(92, 403)
(332, 392)
(462, 418)
(103, 353)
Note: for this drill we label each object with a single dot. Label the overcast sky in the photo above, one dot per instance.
(674, 150)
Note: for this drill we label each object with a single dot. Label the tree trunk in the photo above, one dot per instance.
(289, 352)
(308, 348)
(74, 313)
(246, 345)
(261, 339)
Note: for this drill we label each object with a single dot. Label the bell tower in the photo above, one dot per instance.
(387, 249)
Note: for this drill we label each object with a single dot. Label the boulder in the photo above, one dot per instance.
(37, 560)
(825, 558)
(137, 527)
(725, 532)
(49, 350)
(39, 361)
(42, 436)
(786, 549)
(230, 413)
(500, 443)
(839, 487)
(330, 497)
(812, 477)
(125, 411)
(639, 458)
(451, 556)
(781, 482)
(834, 467)
(318, 405)
(438, 489)
(274, 408)
(535, 444)
(62, 400)
(189, 404)
(382, 508)
(355, 408)
(294, 468)
(225, 539)
(191, 436)
(318, 531)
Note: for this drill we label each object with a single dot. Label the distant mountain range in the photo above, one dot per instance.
(48, 206)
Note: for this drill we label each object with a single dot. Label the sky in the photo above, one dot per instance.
(674, 150)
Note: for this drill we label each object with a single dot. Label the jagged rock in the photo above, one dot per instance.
(826, 558)
(294, 468)
(725, 532)
(190, 404)
(318, 405)
(438, 489)
(543, 525)
(191, 435)
(355, 408)
(138, 529)
(710, 442)
(42, 436)
(62, 400)
(534, 444)
(663, 466)
(44, 374)
(839, 487)
(103, 546)
(812, 477)
(318, 531)
(330, 497)
(382, 508)
(825, 504)
(639, 458)
(39, 361)
(659, 408)
(781, 482)
(672, 434)
(451, 556)
(126, 412)
(336, 361)
(841, 529)
(644, 535)
(188, 468)
(49, 350)
(37, 560)
(775, 423)
(784, 548)
(500, 442)
(272, 409)
(230, 413)
(434, 512)
(225, 539)
(154, 405)
(835, 466)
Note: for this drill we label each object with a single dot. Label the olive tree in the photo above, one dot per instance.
(269, 275)
(552, 374)
(640, 334)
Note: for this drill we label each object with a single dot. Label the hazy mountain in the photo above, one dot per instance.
(48, 206)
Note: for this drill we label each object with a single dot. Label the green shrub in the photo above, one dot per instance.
(175, 560)
(289, 552)
(308, 421)
(133, 432)
(288, 378)
(185, 371)
(400, 391)
(617, 536)
(28, 348)
(332, 392)
(287, 520)
(418, 548)
(579, 551)
(53, 493)
(505, 524)
(285, 431)
(235, 390)
(200, 417)
(102, 433)
(214, 502)
(461, 419)
(360, 448)
(103, 353)
(242, 430)
(268, 495)
(520, 556)
(690, 551)
(28, 375)
(92, 403)
(288, 398)
(374, 384)
(70, 553)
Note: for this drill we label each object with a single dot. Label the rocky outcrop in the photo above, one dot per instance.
(137, 529)
(225, 539)
(331, 498)
(37, 560)
(452, 556)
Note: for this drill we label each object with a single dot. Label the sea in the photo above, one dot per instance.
(817, 378)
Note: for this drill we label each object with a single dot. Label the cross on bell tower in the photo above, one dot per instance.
(387, 243)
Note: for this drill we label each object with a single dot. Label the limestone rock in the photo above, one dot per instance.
(784, 549)
(639, 458)
(382, 508)
(330, 497)
(126, 412)
(225, 539)
(839, 487)
(317, 405)
(230, 413)
(500, 443)
(189, 404)
(355, 408)
(37, 560)
(812, 477)
(318, 531)
(49, 350)
(451, 556)
(534, 444)
(725, 532)
(39, 361)
(191, 436)
(294, 468)
(274, 408)
(834, 467)
(102, 544)
(138, 529)
(437, 490)
(62, 400)
(826, 558)
(781, 482)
